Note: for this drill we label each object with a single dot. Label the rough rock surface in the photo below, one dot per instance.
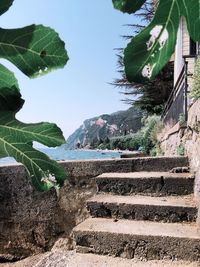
(157, 183)
(73, 259)
(138, 239)
(164, 209)
(186, 137)
(31, 221)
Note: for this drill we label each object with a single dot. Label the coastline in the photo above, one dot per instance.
(61, 154)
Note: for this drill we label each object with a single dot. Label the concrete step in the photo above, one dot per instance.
(146, 183)
(138, 239)
(89, 168)
(165, 209)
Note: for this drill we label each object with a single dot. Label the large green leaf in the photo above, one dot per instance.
(10, 97)
(4, 5)
(150, 50)
(128, 6)
(16, 137)
(16, 141)
(191, 10)
(34, 49)
(45, 133)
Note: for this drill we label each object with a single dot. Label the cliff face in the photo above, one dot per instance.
(105, 126)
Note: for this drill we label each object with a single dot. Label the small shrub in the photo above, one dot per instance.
(181, 118)
(180, 150)
(129, 142)
(152, 125)
(195, 92)
(136, 141)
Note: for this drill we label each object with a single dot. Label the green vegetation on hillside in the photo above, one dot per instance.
(95, 131)
(144, 140)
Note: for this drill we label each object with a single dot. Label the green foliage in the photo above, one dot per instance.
(130, 142)
(16, 140)
(144, 140)
(35, 50)
(195, 92)
(151, 49)
(32, 49)
(4, 5)
(136, 142)
(127, 6)
(180, 150)
(149, 130)
(149, 96)
(155, 93)
(10, 98)
(181, 118)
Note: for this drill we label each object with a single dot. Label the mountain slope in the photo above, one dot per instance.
(99, 128)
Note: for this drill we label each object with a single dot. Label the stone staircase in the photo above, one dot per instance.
(146, 215)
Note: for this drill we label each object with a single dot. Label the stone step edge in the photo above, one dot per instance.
(144, 228)
(143, 208)
(146, 183)
(167, 201)
(138, 239)
(145, 175)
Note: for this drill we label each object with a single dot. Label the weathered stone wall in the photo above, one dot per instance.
(187, 137)
(31, 221)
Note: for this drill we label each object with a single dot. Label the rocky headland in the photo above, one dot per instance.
(96, 130)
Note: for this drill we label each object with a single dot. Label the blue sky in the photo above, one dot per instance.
(91, 30)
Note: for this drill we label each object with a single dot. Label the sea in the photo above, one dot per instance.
(60, 153)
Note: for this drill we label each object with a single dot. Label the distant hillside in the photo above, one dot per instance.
(105, 126)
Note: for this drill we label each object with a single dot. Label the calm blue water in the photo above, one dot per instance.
(61, 154)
